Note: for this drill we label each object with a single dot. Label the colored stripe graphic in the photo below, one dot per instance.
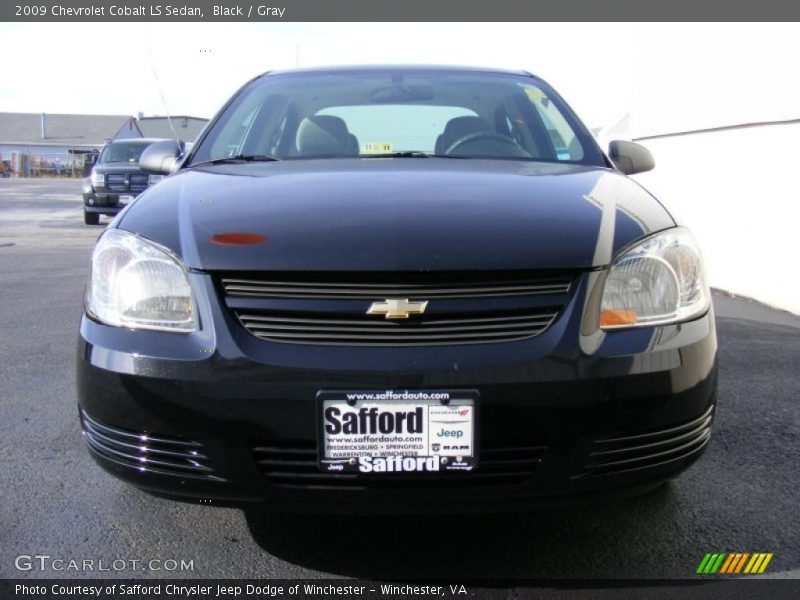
(764, 564)
(741, 562)
(703, 563)
(728, 562)
(754, 563)
(734, 562)
(710, 563)
(717, 563)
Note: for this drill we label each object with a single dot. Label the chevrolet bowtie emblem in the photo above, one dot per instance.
(397, 308)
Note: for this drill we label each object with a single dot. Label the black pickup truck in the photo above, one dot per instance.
(116, 179)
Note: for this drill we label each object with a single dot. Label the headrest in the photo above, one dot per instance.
(323, 134)
(457, 128)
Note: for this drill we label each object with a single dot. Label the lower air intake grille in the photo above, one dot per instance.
(147, 452)
(647, 450)
(294, 464)
(138, 183)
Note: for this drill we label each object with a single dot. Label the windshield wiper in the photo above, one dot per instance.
(236, 159)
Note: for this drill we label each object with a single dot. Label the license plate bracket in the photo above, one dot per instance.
(397, 432)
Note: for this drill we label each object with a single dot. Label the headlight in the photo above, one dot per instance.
(98, 178)
(154, 179)
(658, 281)
(135, 283)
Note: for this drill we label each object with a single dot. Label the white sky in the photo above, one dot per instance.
(670, 76)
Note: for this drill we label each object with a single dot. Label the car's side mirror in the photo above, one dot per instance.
(630, 157)
(161, 157)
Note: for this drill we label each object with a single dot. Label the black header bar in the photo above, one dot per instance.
(353, 589)
(397, 10)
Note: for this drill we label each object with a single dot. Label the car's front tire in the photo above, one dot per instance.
(91, 218)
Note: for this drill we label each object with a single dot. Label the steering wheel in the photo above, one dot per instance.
(481, 135)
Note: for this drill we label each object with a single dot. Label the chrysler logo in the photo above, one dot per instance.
(397, 308)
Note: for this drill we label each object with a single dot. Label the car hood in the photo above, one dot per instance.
(117, 168)
(398, 214)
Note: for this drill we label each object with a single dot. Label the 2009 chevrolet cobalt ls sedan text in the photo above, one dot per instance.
(396, 289)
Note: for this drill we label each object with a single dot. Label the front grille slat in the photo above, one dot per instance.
(644, 437)
(654, 446)
(267, 462)
(116, 182)
(656, 457)
(138, 183)
(509, 463)
(284, 450)
(147, 453)
(294, 464)
(650, 449)
(142, 459)
(327, 290)
(393, 328)
(140, 449)
(372, 331)
(121, 183)
(462, 309)
(386, 323)
(392, 338)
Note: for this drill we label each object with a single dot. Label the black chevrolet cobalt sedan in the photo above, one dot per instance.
(396, 289)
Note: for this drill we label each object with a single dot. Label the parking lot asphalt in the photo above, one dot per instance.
(741, 496)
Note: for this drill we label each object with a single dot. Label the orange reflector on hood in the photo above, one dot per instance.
(609, 318)
(238, 238)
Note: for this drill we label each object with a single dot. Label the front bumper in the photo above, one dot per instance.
(104, 210)
(573, 412)
(98, 200)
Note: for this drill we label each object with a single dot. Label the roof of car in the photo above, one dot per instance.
(137, 140)
(61, 129)
(421, 67)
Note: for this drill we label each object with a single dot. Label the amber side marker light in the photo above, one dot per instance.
(611, 318)
(238, 239)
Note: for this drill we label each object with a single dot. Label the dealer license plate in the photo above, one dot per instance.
(397, 432)
(125, 200)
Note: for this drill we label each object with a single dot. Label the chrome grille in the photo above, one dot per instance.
(473, 309)
(419, 331)
(134, 183)
(138, 183)
(116, 182)
(147, 452)
(294, 464)
(328, 290)
(647, 450)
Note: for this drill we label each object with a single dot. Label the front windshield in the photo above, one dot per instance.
(383, 112)
(122, 152)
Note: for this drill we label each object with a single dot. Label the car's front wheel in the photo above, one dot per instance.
(91, 218)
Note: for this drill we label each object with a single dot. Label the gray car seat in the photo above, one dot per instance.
(457, 128)
(323, 135)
